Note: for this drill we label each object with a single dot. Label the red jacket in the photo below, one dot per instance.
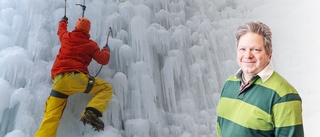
(76, 51)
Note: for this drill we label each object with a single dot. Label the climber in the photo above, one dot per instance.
(70, 75)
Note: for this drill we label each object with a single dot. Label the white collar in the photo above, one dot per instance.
(264, 74)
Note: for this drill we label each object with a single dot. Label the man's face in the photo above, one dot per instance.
(251, 54)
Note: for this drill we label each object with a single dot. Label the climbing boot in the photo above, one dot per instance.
(89, 117)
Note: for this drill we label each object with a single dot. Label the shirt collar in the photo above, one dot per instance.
(264, 74)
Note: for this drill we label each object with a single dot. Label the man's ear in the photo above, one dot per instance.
(270, 54)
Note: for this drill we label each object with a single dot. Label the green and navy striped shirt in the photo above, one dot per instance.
(268, 107)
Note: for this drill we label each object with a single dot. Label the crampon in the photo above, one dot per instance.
(90, 118)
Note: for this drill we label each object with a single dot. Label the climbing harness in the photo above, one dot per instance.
(90, 84)
(89, 87)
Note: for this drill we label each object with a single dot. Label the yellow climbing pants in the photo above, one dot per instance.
(69, 84)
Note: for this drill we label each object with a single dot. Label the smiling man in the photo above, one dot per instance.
(257, 101)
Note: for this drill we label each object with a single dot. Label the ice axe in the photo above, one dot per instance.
(83, 7)
(65, 11)
(65, 8)
(110, 32)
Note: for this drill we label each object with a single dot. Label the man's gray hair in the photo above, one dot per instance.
(259, 28)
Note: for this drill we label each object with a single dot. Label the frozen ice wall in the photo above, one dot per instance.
(169, 59)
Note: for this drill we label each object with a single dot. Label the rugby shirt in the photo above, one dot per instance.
(268, 107)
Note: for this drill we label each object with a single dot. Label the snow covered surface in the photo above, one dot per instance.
(169, 61)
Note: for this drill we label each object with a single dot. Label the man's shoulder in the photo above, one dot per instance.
(279, 84)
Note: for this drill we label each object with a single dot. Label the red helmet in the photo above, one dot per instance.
(83, 23)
